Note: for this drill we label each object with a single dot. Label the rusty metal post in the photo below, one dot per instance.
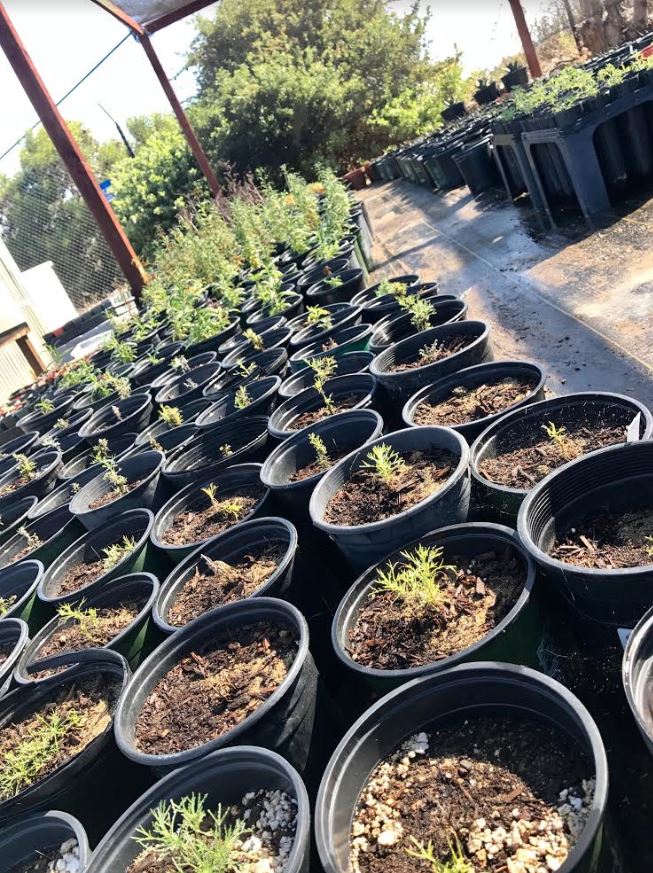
(526, 40)
(189, 133)
(70, 154)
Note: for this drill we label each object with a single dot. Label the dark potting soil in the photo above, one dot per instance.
(393, 633)
(315, 415)
(40, 864)
(470, 404)
(213, 689)
(82, 574)
(114, 495)
(501, 794)
(608, 541)
(365, 498)
(203, 520)
(110, 621)
(431, 354)
(215, 583)
(522, 461)
(315, 467)
(84, 711)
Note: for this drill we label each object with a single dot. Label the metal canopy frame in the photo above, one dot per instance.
(65, 143)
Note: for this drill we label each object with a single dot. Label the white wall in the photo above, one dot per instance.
(47, 297)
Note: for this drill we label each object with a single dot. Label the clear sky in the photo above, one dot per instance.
(67, 37)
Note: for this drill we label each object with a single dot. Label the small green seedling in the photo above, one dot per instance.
(190, 384)
(180, 363)
(32, 540)
(87, 619)
(230, 508)
(246, 370)
(253, 339)
(114, 477)
(430, 354)
(45, 406)
(51, 442)
(421, 311)
(415, 581)
(384, 464)
(394, 289)
(319, 317)
(321, 454)
(61, 424)
(6, 603)
(26, 466)
(171, 416)
(242, 399)
(323, 369)
(560, 439)
(115, 553)
(125, 353)
(457, 862)
(154, 359)
(39, 745)
(188, 837)
(100, 452)
(333, 281)
(154, 444)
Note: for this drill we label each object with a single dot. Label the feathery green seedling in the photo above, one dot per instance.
(171, 416)
(415, 580)
(253, 339)
(125, 353)
(242, 399)
(394, 289)
(180, 363)
(560, 439)
(430, 354)
(87, 619)
(319, 317)
(154, 444)
(457, 862)
(51, 442)
(40, 744)
(114, 477)
(100, 452)
(323, 369)
(6, 603)
(191, 838)
(226, 451)
(154, 359)
(333, 281)
(421, 311)
(26, 466)
(321, 454)
(44, 406)
(61, 424)
(32, 540)
(246, 370)
(231, 508)
(115, 553)
(384, 464)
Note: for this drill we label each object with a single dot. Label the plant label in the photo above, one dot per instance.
(632, 431)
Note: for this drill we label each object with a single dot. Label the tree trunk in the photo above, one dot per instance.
(640, 15)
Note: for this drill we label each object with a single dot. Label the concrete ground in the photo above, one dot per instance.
(579, 306)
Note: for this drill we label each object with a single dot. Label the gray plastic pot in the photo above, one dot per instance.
(130, 642)
(282, 722)
(135, 413)
(363, 545)
(472, 377)
(362, 386)
(14, 636)
(400, 385)
(21, 581)
(227, 481)
(145, 466)
(340, 433)
(224, 777)
(350, 362)
(23, 841)
(88, 548)
(458, 694)
(229, 546)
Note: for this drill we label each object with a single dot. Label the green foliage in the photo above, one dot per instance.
(321, 453)
(394, 289)
(317, 316)
(171, 416)
(87, 619)
(6, 603)
(26, 466)
(457, 862)
(44, 406)
(421, 311)
(323, 369)
(611, 75)
(114, 477)
(116, 552)
(242, 399)
(227, 507)
(384, 464)
(100, 452)
(416, 580)
(253, 339)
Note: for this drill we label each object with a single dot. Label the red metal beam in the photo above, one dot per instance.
(526, 41)
(189, 133)
(70, 153)
(118, 13)
(177, 15)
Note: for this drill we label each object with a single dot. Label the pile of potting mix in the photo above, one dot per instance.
(268, 573)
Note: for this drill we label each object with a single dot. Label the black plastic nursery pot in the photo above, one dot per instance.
(117, 447)
(282, 723)
(136, 523)
(349, 339)
(156, 431)
(48, 464)
(191, 497)
(526, 371)
(394, 328)
(273, 362)
(212, 343)
(144, 468)
(272, 339)
(232, 545)
(232, 442)
(14, 636)
(294, 306)
(477, 166)
(453, 111)
(27, 839)
(266, 326)
(327, 291)
(514, 639)
(132, 641)
(350, 362)
(261, 395)
(125, 416)
(26, 443)
(614, 480)
(56, 530)
(377, 308)
(399, 385)
(71, 445)
(18, 585)
(357, 389)
(515, 79)
(169, 441)
(343, 316)
(192, 409)
(223, 777)
(336, 311)
(62, 495)
(363, 545)
(42, 422)
(341, 434)
(461, 693)
(188, 386)
(14, 514)
(503, 502)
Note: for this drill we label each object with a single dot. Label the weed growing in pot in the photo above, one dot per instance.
(415, 581)
(227, 507)
(333, 282)
(253, 339)
(321, 454)
(113, 554)
(317, 316)
(384, 464)
(44, 406)
(430, 354)
(246, 370)
(171, 416)
(86, 619)
(242, 399)
(421, 311)
(457, 862)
